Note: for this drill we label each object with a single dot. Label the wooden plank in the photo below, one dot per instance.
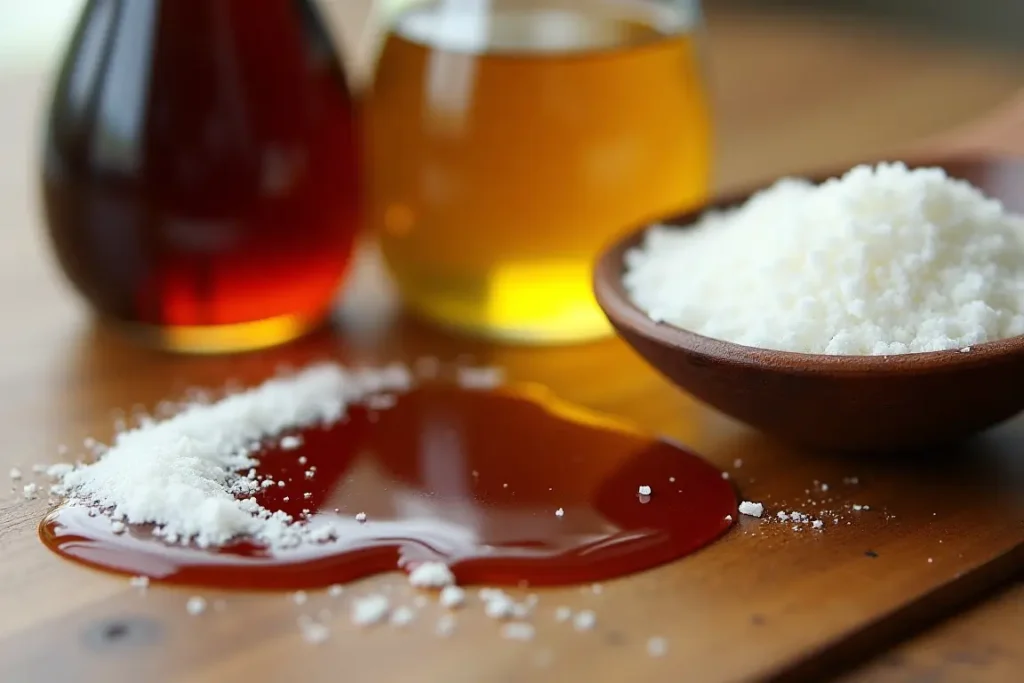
(981, 645)
(764, 602)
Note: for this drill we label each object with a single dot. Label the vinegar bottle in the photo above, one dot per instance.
(200, 174)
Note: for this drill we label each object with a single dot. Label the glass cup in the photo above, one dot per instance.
(200, 178)
(508, 140)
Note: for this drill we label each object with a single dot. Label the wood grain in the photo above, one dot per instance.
(982, 644)
(765, 601)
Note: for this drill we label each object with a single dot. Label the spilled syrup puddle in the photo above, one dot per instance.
(472, 478)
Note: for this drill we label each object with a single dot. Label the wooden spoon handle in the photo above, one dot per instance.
(1001, 131)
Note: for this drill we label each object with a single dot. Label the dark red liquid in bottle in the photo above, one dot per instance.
(504, 486)
(200, 176)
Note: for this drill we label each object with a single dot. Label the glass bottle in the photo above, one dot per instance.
(509, 140)
(200, 174)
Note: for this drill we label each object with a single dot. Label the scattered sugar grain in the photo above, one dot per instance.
(563, 613)
(644, 490)
(517, 630)
(290, 442)
(402, 616)
(445, 625)
(751, 509)
(486, 594)
(728, 518)
(370, 609)
(360, 517)
(559, 512)
(140, 582)
(381, 402)
(15, 474)
(452, 597)
(300, 597)
(725, 475)
(817, 524)
(737, 463)
(521, 610)
(118, 527)
(196, 605)
(584, 620)
(597, 589)
(479, 378)
(657, 646)
(313, 632)
(431, 575)
(498, 605)
(30, 491)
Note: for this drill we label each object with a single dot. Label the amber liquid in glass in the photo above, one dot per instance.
(200, 173)
(505, 151)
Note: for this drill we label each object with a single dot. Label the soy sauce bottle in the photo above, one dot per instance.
(200, 179)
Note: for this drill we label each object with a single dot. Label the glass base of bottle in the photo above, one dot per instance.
(221, 339)
(510, 307)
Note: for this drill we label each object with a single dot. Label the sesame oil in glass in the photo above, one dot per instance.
(510, 140)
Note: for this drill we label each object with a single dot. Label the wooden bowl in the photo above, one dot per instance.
(846, 403)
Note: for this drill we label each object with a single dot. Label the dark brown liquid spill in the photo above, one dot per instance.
(470, 478)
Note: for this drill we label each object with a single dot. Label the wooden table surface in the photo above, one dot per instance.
(792, 94)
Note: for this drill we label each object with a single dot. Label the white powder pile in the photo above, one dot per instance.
(884, 260)
(187, 475)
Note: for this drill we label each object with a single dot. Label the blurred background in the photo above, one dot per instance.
(992, 23)
(29, 30)
(797, 83)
